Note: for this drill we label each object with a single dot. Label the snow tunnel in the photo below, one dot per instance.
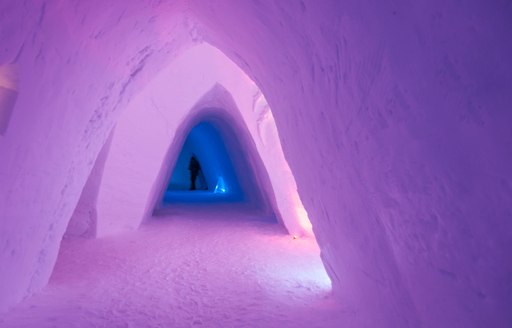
(403, 108)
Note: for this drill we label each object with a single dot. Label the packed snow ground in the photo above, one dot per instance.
(201, 271)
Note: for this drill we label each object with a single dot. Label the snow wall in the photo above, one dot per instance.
(394, 117)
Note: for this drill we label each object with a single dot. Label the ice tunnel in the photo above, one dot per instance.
(393, 120)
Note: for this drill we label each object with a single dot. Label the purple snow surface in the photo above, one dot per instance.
(208, 271)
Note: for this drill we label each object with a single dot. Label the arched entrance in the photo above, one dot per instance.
(230, 165)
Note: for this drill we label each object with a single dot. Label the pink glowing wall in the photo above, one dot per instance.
(394, 118)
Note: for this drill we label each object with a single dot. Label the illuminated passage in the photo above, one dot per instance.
(204, 171)
(214, 167)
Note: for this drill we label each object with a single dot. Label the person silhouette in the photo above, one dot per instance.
(194, 168)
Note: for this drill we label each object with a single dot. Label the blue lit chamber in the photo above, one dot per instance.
(217, 180)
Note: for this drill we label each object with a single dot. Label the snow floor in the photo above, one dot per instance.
(188, 271)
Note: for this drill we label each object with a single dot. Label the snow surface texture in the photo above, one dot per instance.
(394, 117)
(221, 270)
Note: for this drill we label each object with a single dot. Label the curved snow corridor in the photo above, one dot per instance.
(390, 120)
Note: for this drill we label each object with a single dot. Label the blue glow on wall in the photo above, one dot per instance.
(221, 186)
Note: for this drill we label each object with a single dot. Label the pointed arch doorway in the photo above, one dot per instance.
(231, 174)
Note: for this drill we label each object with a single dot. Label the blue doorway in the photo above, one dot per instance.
(216, 179)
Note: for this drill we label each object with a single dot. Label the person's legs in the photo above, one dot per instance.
(193, 176)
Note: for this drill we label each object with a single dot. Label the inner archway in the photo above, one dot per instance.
(204, 171)
(231, 170)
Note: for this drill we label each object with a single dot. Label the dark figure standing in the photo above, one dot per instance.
(194, 169)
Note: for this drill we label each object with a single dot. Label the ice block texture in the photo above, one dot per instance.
(394, 117)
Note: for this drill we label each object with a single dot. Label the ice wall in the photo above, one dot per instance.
(394, 117)
(75, 72)
(404, 149)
